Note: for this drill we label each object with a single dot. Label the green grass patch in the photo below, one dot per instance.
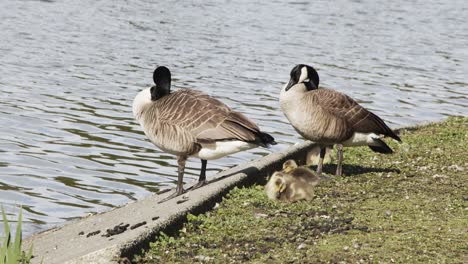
(10, 248)
(409, 207)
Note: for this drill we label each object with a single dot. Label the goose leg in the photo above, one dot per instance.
(339, 164)
(180, 185)
(320, 163)
(202, 178)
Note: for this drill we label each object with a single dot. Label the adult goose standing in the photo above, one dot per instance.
(190, 123)
(329, 117)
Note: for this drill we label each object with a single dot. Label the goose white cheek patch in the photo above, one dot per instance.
(304, 75)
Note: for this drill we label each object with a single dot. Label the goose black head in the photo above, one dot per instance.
(162, 81)
(305, 74)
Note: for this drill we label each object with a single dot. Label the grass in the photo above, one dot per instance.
(409, 207)
(10, 250)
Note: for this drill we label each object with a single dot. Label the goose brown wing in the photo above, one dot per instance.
(207, 119)
(232, 126)
(359, 118)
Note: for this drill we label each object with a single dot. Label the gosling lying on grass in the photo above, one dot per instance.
(292, 184)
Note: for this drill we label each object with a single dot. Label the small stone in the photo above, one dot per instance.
(260, 215)
(388, 213)
(423, 168)
(439, 176)
(203, 258)
(356, 246)
(456, 168)
(346, 248)
(301, 246)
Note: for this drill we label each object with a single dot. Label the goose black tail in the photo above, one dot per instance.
(392, 134)
(381, 147)
(264, 139)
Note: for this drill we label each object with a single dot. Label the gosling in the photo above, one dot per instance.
(292, 184)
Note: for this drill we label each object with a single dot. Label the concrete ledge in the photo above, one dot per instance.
(112, 236)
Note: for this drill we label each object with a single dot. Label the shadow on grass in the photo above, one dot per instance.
(353, 170)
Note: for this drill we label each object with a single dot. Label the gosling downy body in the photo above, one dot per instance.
(292, 184)
(329, 117)
(190, 123)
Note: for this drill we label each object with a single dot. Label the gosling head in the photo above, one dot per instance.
(277, 185)
(162, 81)
(304, 74)
(289, 165)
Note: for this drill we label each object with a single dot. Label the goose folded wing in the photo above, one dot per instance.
(362, 120)
(233, 126)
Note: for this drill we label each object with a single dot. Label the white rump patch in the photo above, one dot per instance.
(304, 75)
(361, 139)
(220, 149)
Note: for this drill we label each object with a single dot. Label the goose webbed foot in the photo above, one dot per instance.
(198, 185)
(178, 192)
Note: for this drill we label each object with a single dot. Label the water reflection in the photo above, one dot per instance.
(68, 75)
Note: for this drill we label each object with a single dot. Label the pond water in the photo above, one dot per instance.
(69, 71)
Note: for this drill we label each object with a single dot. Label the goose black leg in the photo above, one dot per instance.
(180, 184)
(320, 163)
(339, 164)
(202, 178)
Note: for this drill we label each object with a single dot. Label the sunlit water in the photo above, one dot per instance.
(69, 71)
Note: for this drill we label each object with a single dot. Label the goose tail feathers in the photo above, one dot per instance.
(380, 147)
(264, 139)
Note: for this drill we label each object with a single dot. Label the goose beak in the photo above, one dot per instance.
(281, 189)
(289, 85)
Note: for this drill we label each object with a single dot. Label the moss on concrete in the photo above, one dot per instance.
(409, 207)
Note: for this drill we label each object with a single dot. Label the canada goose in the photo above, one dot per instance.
(329, 117)
(291, 184)
(189, 123)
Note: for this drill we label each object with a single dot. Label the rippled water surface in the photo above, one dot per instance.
(69, 71)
